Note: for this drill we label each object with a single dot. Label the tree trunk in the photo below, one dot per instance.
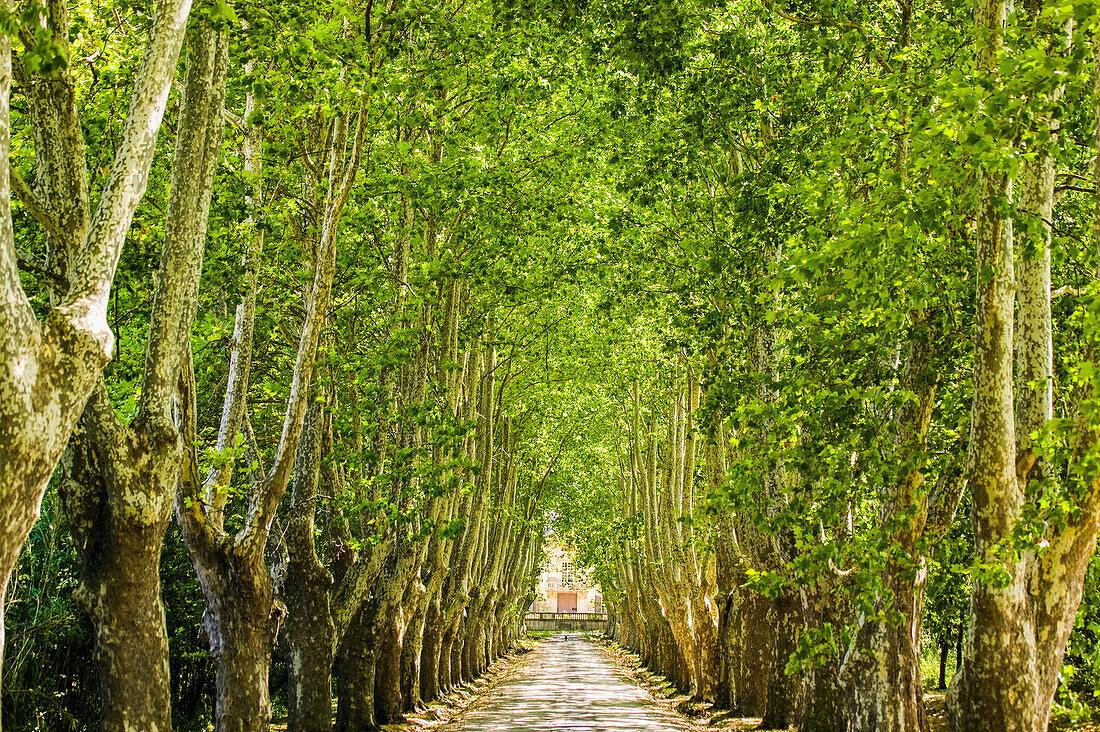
(309, 640)
(412, 650)
(356, 680)
(119, 544)
(49, 369)
(431, 652)
(725, 688)
(783, 688)
(304, 589)
(242, 617)
(473, 662)
(387, 680)
(1021, 616)
(119, 480)
(755, 639)
(881, 671)
(460, 672)
(945, 648)
(990, 690)
(240, 624)
(823, 706)
(446, 654)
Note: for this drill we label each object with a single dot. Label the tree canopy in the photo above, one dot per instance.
(781, 316)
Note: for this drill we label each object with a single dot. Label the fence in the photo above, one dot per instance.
(571, 622)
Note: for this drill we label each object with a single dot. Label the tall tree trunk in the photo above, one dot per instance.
(784, 690)
(881, 671)
(754, 637)
(304, 590)
(111, 471)
(1019, 624)
(240, 625)
(431, 651)
(823, 705)
(412, 655)
(446, 654)
(991, 691)
(356, 679)
(241, 613)
(120, 480)
(388, 639)
(309, 634)
(460, 669)
(49, 369)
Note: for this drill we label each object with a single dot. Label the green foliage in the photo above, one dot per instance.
(48, 680)
(618, 194)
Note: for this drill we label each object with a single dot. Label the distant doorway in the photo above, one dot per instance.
(567, 602)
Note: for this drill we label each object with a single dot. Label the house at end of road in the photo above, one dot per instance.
(564, 589)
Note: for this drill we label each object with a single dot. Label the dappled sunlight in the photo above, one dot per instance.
(568, 684)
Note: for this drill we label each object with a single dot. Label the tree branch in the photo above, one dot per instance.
(45, 218)
(263, 502)
(190, 512)
(40, 267)
(95, 265)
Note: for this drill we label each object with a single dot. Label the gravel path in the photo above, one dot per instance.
(567, 684)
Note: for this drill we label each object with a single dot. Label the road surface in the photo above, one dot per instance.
(567, 684)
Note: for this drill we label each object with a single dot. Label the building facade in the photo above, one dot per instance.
(564, 589)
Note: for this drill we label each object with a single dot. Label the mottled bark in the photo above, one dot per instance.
(356, 674)
(397, 592)
(751, 628)
(48, 369)
(119, 479)
(446, 676)
(431, 651)
(59, 199)
(1019, 625)
(784, 690)
(420, 665)
(460, 662)
(388, 640)
(411, 658)
(304, 589)
(240, 624)
(241, 613)
(457, 592)
(881, 673)
(1056, 576)
(823, 707)
(991, 691)
(356, 586)
(659, 481)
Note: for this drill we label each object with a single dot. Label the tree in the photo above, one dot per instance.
(51, 367)
(1024, 601)
(120, 480)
